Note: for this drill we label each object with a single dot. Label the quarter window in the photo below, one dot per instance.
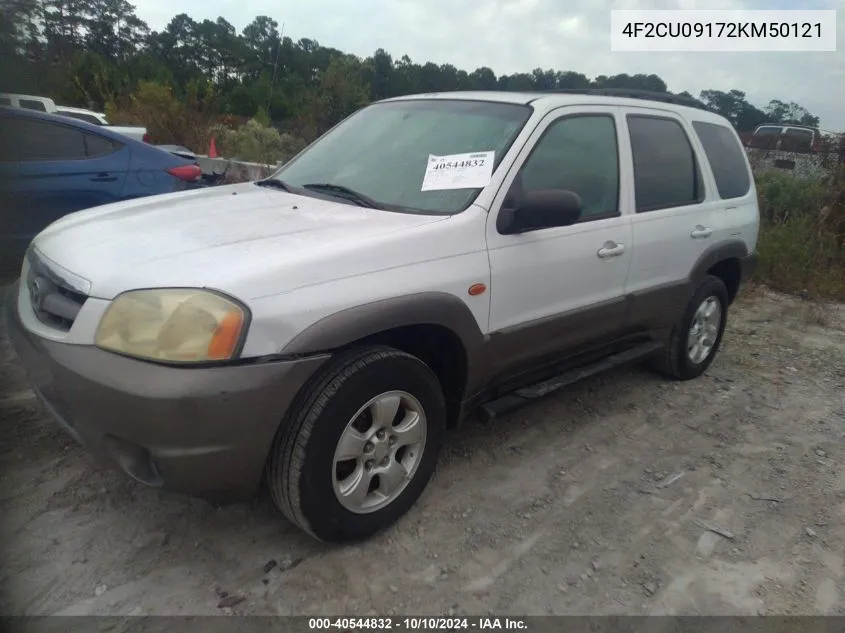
(580, 154)
(665, 170)
(726, 158)
(99, 145)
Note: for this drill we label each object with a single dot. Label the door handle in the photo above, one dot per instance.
(610, 249)
(700, 232)
(103, 177)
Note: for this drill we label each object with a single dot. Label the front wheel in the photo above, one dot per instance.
(360, 444)
(696, 337)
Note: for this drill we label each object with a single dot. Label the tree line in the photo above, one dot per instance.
(92, 53)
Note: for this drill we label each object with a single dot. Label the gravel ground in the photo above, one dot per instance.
(626, 494)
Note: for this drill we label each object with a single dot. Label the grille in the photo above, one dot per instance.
(54, 300)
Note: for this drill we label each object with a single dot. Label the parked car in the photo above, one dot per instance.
(790, 138)
(138, 132)
(431, 256)
(51, 166)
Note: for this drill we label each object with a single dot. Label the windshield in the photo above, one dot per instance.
(382, 152)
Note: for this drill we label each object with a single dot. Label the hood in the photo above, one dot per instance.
(213, 237)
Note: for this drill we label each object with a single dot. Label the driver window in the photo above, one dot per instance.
(578, 153)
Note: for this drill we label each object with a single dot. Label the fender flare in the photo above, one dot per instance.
(733, 249)
(425, 308)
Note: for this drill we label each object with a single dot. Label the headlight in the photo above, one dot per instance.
(181, 325)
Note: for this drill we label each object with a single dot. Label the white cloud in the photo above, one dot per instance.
(520, 35)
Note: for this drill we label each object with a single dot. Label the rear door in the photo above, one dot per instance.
(677, 215)
(65, 169)
(733, 180)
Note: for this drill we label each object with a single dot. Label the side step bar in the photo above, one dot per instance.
(512, 401)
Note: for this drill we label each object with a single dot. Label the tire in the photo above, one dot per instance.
(301, 471)
(676, 360)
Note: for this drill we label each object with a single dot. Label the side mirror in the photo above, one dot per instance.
(542, 209)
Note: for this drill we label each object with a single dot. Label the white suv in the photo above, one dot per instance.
(430, 256)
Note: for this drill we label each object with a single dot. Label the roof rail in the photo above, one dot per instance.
(631, 93)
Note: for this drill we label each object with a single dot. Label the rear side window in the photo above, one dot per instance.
(665, 170)
(99, 145)
(42, 141)
(726, 158)
(5, 101)
(31, 104)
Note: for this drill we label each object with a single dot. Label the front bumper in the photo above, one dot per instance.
(200, 431)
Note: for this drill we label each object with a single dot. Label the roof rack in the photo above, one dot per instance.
(631, 93)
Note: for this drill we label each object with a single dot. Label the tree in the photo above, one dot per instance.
(19, 33)
(112, 29)
(381, 75)
(780, 112)
(482, 79)
(98, 52)
(735, 108)
(341, 91)
(571, 80)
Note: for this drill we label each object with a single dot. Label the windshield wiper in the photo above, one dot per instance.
(344, 192)
(275, 183)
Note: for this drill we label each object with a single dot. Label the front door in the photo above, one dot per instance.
(558, 289)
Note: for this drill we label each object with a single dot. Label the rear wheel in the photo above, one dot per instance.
(360, 444)
(696, 338)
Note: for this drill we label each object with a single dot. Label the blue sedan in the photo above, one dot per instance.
(51, 166)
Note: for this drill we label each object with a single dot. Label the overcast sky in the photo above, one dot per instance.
(520, 35)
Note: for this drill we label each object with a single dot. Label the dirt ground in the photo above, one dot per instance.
(626, 494)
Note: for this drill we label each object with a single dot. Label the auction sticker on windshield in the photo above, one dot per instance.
(458, 171)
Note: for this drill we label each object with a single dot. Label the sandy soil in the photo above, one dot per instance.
(626, 494)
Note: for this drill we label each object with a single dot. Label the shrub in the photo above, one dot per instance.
(802, 233)
(262, 117)
(254, 142)
(167, 117)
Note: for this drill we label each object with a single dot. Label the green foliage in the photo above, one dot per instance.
(340, 92)
(168, 118)
(782, 195)
(257, 143)
(735, 108)
(261, 117)
(92, 52)
(803, 233)
(779, 112)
